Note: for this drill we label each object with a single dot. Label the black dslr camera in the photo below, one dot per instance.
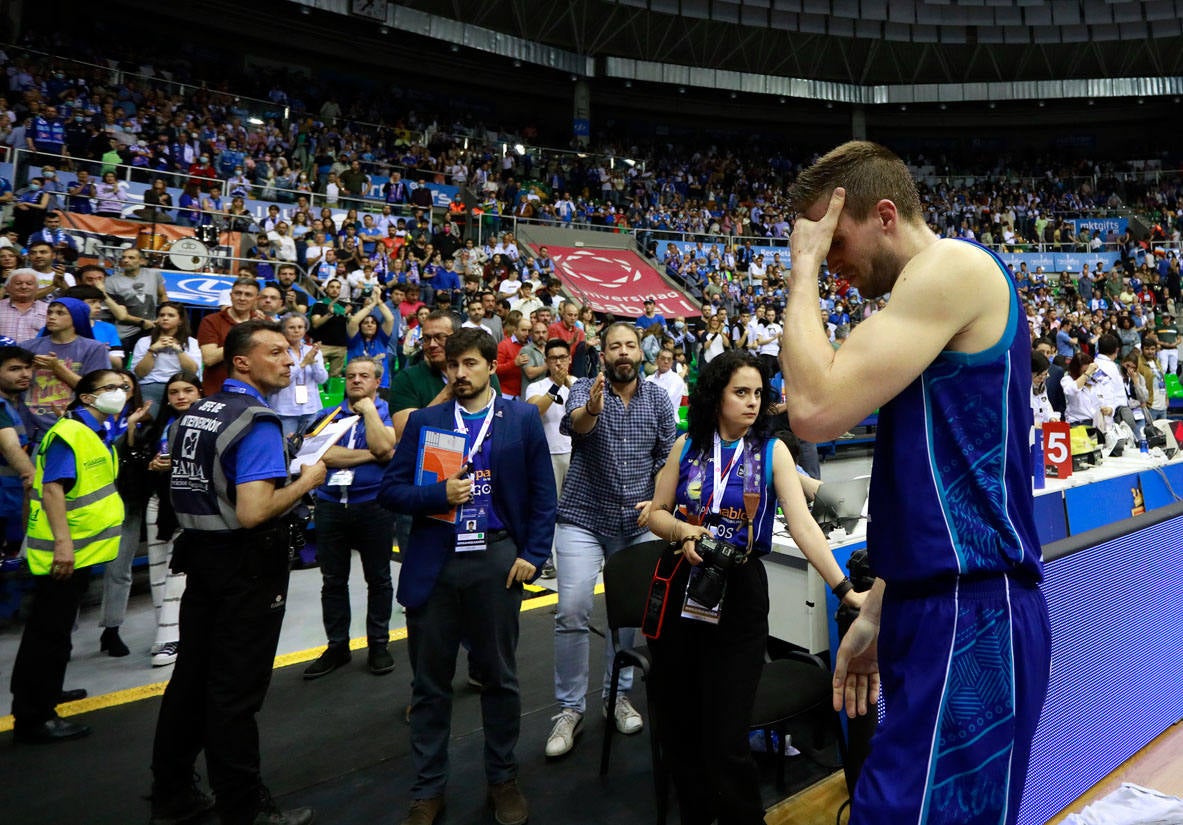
(718, 557)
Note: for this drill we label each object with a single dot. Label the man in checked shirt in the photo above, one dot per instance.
(621, 431)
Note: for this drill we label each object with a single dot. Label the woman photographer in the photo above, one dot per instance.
(706, 669)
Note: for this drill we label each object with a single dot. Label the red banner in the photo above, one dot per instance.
(618, 281)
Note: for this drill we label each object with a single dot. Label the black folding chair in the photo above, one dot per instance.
(627, 575)
(793, 688)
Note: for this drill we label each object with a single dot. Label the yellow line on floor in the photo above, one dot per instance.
(135, 694)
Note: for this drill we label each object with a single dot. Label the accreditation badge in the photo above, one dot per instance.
(471, 526)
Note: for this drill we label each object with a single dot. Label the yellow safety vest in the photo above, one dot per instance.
(94, 510)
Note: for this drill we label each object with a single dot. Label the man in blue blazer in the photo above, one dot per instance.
(464, 580)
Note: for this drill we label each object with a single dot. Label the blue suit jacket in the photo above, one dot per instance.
(524, 495)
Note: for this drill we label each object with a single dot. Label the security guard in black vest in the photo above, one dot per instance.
(231, 492)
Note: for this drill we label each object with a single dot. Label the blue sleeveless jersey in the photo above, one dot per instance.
(696, 485)
(951, 481)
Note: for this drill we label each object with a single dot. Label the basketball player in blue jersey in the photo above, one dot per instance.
(955, 626)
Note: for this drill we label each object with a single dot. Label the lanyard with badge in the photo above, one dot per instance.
(300, 388)
(1160, 384)
(710, 514)
(473, 519)
(344, 477)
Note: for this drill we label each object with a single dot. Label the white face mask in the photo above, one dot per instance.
(110, 402)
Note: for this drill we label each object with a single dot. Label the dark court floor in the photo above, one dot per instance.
(341, 745)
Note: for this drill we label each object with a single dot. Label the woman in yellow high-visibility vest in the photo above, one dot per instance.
(75, 518)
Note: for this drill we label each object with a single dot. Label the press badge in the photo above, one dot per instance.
(471, 526)
(340, 478)
(301, 394)
(696, 612)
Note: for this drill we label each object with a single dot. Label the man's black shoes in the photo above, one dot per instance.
(335, 656)
(380, 660)
(50, 732)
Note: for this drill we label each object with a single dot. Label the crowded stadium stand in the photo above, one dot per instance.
(455, 151)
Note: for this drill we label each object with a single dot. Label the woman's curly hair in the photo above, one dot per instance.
(702, 415)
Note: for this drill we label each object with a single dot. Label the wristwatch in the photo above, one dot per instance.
(842, 588)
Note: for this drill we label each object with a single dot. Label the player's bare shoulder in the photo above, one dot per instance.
(974, 280)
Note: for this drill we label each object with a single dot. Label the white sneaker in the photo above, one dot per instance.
(568, 723)
(628, 718)
(166, 655)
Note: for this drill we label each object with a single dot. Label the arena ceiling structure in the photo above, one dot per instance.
(860, 52)
(1064, 77)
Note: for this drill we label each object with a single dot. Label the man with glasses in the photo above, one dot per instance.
(424, 384)
(211, 335)
(549, 395)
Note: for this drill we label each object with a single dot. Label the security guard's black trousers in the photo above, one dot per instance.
(234, 601)
(40, 664)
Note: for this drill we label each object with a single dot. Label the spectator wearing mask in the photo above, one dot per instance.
(77, 465)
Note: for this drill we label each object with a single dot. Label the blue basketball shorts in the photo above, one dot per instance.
(964, 673)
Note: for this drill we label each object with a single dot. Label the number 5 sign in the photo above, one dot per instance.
(1057, 449)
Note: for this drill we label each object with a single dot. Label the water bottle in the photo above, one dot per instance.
(1143, 447)
(1038, 471)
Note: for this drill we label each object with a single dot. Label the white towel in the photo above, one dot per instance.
(1131, 805)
